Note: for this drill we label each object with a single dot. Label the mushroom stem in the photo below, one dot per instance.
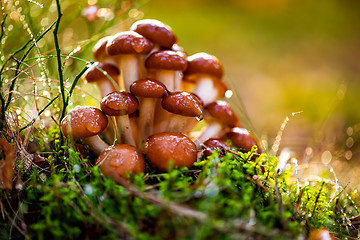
(177, 123)
(125, 130)
(177, 80)
(146, 119)
(96, 144)
(189, 125)
(167, 77)
(205, 90)
(141, 65)
(129, 70)
(211, 131)
(105, 87)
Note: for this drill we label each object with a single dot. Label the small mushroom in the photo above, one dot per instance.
(147, 90)
(100, 54)
(85, 122)
(121, 104)
(120, 160)
(163, 148)
(104, 83)
(127, 46)
(219, 115)
(214, 144)
(157, 32)
(242, 139)
(183, 105)
(205, 70)
(321, 234)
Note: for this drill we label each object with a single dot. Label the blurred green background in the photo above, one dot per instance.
(280, 57)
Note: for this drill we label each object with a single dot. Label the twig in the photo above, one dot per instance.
(317, 198)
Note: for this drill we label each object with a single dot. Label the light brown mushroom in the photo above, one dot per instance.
(241, 139)
(121, 104)
(219, 115)
(127, 46)
(121, 160)
(163, 148)
(100, 54)
(147, 91)
(85, 122)
(183, 105)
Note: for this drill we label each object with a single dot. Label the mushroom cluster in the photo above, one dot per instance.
(153, 95)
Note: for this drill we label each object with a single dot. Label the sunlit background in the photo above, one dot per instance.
(295, 59)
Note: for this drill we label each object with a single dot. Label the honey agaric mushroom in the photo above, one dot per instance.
(163, 148)
(321, 234)
(121, 104)
(214, 144)
(204, 69)
(183, 105)
(167, 65)
(85, 122)
(94, 75)
(127, 46)
(99, 51)
(157, 32)
(242, 139)
(120, 160)
(218, 114)
(147, 90)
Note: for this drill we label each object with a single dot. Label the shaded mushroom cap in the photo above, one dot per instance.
(95, 75)
(214, 144)
(241, 138)
(84, 121)
(128, 42)
(148, 88)
(162, 148)
(99, 50)
(156, 31)
(119, 103)
(183, 103)
(222, 112)
(203, 63)
(166, 60)
(119, 159)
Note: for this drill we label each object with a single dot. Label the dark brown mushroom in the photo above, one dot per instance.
(214, 144)
(219, 115)
(183, 105)
(104, 80)
(163, 148)
(85, 122)
(99, 51)
(127, 46)
(121, 104)
(242, 139)
(147, 90)
(121, 160)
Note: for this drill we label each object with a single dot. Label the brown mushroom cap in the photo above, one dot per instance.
(155, 31)
(203, 63)
(119, 103)
(128, 42)
(148, 88)
(164, 147)
(119, 159)
(321, 234)
(183, 103)
(222, 112)
(214, 144)
(241, 138)
(93, 74)
(99, 50)
(85, 121)
(166, 60)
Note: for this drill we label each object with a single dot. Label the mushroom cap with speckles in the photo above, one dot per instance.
(183, 103)
(128, 42)
(163, 148)
(214, 144)
(84, 122)
(148, 88)
(156, 31)
(166, 60)
(93, 74)
(222, 112)
(99, 50)
(241, 138)
(119, 103)
(121, 159)
(203, 63)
